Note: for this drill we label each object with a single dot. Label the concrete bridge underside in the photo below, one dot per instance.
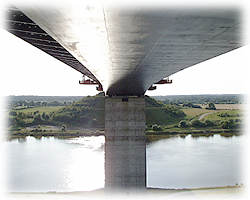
(126, 50)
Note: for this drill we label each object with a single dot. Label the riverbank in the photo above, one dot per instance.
(55, 133)
(100, 132)
(232, 192)
(197, 132)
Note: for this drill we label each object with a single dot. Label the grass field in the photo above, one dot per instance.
(232, 114)
(167, 121)
(158, 116)
(226, 106)
(220, 108)
(229, 106)
(45, 109)
(195, 112)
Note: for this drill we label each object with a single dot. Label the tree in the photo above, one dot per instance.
(44, 103)
(38, 103)
(21, 115)
(37, 119)
(196, 106)
(63, 128)
(188, 105)
(19, 122)
(209, 123)
(12, 113)
(46, 117)
(183, 124)
(223, 115)
(228, 124)
(31, 103)
(197, 123)
(36, 112)
(156, 127)
(54, 103)
(211, 106)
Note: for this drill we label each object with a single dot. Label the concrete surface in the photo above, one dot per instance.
(128, 49)
(125, 146)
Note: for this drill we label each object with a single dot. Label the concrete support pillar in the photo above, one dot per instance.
(125, 147)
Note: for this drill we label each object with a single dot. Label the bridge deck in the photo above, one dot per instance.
(127, 49)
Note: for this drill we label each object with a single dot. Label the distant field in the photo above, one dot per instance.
(234, 110)
(233, 114)
(45, 109)
(192, 112)
(226, 106)
(229, 106)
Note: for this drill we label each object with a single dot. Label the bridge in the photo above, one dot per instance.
(126, 50)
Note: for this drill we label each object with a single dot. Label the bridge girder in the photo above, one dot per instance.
(127, 49)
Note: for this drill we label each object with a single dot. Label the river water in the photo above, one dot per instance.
(63, 165)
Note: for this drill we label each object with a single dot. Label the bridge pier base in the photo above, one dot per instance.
(125, 147)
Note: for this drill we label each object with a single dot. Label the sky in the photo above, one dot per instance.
(27, 70)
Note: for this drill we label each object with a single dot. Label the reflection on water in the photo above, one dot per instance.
(50, 164)
(194, 162)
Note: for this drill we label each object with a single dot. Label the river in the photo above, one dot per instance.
(64, 165)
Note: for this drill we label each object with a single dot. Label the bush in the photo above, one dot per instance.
(183, 124)
(174, 111)
(12, 113)
(228, 124)
(19, 122)
(63, 128)
(209, 123)
(196, 106)
(37, 119)
(237, 120)
(187, 105)
(223, 115)
(156, 127)
(211, 106)
(197, 123)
